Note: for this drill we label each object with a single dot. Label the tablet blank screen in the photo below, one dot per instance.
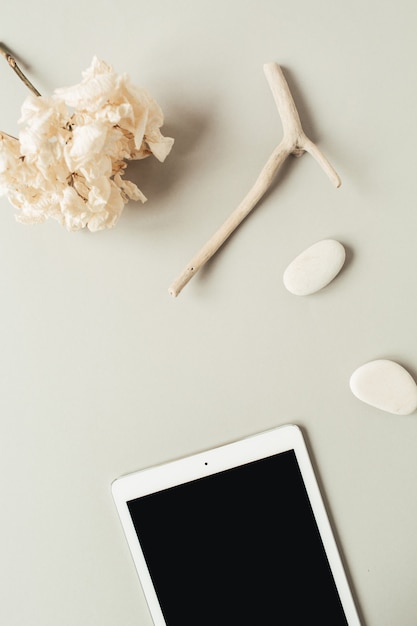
(240, 547)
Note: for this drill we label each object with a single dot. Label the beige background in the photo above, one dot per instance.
(103, 373)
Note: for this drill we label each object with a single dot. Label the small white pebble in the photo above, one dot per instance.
(386, 385)
(314, 268)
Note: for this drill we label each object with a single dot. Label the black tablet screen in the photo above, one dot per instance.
(236, 548)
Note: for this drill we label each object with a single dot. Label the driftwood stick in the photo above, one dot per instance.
(294, 142)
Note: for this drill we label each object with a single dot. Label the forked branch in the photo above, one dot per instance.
(294, 141)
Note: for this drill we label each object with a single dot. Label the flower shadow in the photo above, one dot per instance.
(157, 180)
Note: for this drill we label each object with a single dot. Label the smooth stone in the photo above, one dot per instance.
(315, 267)
(386, 385)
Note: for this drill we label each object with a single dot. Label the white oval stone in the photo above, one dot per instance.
(386, 385)
(314, 268)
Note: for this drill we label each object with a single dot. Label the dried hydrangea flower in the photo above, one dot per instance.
(69, 160)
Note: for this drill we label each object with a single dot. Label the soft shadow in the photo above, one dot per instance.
(332, 524)
(349, 258)
(411, 369)
(209, 267)
(309, 128)
(158, 180)
(13, 54)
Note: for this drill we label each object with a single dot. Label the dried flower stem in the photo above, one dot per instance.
(13, 64)
(294, 142)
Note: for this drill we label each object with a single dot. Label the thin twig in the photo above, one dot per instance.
(294, 142)
(3, 134)
(13, 64)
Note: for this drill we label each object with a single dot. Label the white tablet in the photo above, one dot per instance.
(236, 536)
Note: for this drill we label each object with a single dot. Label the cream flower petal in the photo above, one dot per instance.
(99, 194)
(129, 189)
(95, 168)
(86, 142)
(9, 161)
(98, 84)
(140, 102)
(43, 113)
(31, 217)
(81, 187)
(36, 206)
(73, 209)
(161, 148)
(67, 164)
(109, 217)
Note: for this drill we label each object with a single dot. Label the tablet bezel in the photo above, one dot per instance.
(215, 460)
